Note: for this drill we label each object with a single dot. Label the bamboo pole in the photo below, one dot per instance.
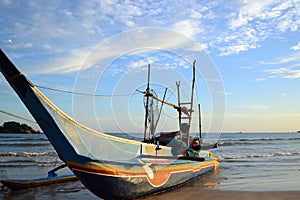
(179, 109)
(200, 123)
(147, 103)
(192, 102)
(160, 100)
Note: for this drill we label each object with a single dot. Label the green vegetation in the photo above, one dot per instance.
(15, 127)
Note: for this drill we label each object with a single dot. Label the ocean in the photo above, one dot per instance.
(249, 162)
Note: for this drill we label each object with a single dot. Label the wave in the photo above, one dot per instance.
(21, 144)
(8, 165)
(9, 139)
(22, 137)
(269, 138)
(29, 164)
(27, 154)
(50, 164)
(17, 161)
(255, 141)
(41, 159)
(231, 158)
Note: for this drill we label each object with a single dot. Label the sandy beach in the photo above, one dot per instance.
(213, 194)
(207, 193)
(208, 188)
(75, 190)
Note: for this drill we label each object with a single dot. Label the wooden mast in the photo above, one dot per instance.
(179, 110)
(147, 93)
(192, 102)
(200, 123)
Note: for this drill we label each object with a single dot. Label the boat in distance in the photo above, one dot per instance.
(112, 167)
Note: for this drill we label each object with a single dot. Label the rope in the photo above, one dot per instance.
(86, 94)
(69, 92)
(7, 113)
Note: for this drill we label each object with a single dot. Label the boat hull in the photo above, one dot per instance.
(121, 181)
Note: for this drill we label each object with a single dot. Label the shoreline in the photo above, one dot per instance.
(208, 188)
(213, 194)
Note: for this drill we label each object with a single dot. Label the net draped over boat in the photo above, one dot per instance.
(93, 144)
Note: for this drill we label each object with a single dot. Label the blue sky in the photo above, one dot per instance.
(254, 45)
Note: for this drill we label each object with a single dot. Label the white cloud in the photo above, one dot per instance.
(296, 47)
(251, 22)
(61, 65)
(188, 27)
(258, 10)
(259, 79)
(284, 67)
(289, 59)
(132, 42)
(243, 39)
(56, 28)
(140, 63)
(283, 94)
(234, 49)
(254, 106)
(16, 45)
(285, 73)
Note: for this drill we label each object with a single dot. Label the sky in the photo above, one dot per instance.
(248, 60)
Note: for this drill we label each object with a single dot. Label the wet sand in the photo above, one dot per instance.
(193, 191)
(208, 188)
(213, 194)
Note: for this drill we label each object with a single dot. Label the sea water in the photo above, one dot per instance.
(249, 162)
(259, 161)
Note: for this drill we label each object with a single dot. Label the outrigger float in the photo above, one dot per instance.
(53, 177)
(113, 167)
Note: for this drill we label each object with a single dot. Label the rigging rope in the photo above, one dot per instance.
(69, 92)
(86, 94)
(7, 113)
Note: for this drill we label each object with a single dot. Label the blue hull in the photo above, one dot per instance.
(109, 187)
(118, 180)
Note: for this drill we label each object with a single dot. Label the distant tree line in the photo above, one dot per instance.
(15, 127)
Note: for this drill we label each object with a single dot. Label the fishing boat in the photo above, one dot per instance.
(113, 167)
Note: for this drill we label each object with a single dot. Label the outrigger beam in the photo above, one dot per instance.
(52, 172)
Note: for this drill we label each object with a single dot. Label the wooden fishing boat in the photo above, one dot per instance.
(112, 167)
